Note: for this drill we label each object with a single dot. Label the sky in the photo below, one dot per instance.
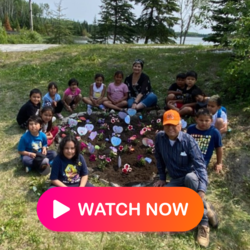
(80, 10)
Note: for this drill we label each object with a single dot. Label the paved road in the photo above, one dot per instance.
(25, 47)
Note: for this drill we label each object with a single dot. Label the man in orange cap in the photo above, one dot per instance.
(179, 153)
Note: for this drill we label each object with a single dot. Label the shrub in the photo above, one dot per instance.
(25, 37)
(3, 35)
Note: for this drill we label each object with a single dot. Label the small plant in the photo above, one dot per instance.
(126, 169)
(103, 146)
(135, 142)
(100, 137)
(103, 161)
(151, 149)
(112, 154)
(125, 148)
(141, 161)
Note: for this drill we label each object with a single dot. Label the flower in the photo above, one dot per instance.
(131, 149)
(92, 158)
(113, 120)
(83, 145)
(143, 131)
(158, 120)
(120, 148)
(108, 159)
(102, 157)
(139, 157)
(126, 169)
(130, 127)
(101, 120)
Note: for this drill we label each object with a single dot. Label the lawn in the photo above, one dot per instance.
(22, 71)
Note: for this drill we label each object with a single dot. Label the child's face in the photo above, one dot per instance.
(34, 127)
(98, 81)
(203, 122)
(47, 116)
(73, 86)
(69, 150)
(213, 107)
(190, 81)
(181, 82)
(199, 98)
(52, 91)
(118, 79)
(35, 98)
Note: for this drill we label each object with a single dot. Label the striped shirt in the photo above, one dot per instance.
(181, 158)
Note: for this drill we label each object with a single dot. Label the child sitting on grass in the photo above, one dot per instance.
(72, 95)
(33, 148)
(218, 112)
(69, 168)
(30, 108)
(46, 114)
(117, 93)
(175, 91)
(200, 98)
(97, 93)
(187, 101)
(207, 137)
(53, 99)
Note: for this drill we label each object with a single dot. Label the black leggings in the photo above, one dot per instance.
(59, 107)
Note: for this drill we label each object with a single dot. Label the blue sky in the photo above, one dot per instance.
(80, 10)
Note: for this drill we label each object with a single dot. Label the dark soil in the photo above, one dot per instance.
(111, 172)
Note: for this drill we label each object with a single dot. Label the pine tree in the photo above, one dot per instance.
(117, 21)
(157, 20)
(7, 23)
(225, 13)
(94, 31)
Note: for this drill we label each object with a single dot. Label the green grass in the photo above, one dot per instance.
(22, 71)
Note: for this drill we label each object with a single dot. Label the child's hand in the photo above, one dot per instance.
(218, 168)
(44, 151)
(54, 103)
(32, 155)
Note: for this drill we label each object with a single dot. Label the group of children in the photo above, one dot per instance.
(210, 116)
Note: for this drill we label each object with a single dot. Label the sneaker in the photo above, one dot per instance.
(203, 235)
(59, 116)
(27, 169)
(53, 119)
(44, 169)
(212, 215)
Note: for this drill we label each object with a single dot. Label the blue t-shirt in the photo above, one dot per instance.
(207, 140)
(67, 171)
(47, 100)
(31, 143)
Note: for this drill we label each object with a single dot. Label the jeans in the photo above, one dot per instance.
(191, 181)
(88, 184)
(148, 100)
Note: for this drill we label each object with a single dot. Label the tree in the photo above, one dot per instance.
(117, 21)
(188, 10)
(31, 15)
(61, 28)
(157, 20)
(7, 23)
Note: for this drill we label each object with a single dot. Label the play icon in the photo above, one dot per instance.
(59, 209)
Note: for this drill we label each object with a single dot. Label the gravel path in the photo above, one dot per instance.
(25, 47)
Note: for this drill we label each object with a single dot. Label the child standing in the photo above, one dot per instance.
(175, 91)
(46, 114)
(97, 92)
(30, 108)
(33, 147)
(53, 99)
(72, 95)
(187, 101)
(69, 168)
(218, 112)
(117, 93)
(207, 137)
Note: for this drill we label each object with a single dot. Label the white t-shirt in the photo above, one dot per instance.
(223, 116)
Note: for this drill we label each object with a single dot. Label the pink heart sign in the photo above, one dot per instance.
(89, 127)
(147, 142)
(82, 131)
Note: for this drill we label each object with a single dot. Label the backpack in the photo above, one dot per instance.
(220, 111)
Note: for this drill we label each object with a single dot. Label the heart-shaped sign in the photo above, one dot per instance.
(89, 127)
(117, 129)
(147, 159)
(89, 111)
(122, 115)
(82, 131)
(183, 123)
(127, 119)
(92, 135)
(147, 142)
(91, 148)
(132, 112)
(72, 122)
(116, 141)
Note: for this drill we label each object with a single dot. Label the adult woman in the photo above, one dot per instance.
(140, 93)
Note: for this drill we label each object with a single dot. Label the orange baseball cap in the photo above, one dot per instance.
(171, 117)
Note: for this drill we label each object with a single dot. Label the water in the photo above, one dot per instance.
(188, 41)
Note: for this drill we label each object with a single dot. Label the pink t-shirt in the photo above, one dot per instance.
(69, 92)
(117, 92)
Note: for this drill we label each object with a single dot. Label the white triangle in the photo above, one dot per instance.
(59, 209)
